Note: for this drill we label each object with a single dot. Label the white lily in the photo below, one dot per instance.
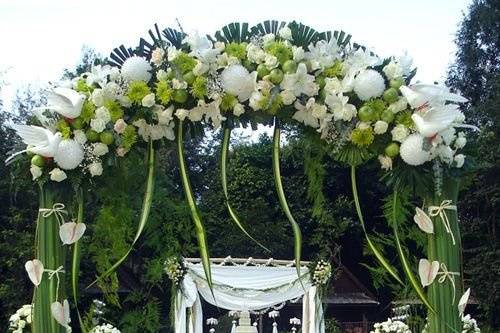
(300, 82)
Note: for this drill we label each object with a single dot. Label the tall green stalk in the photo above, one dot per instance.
(442, 249)
(50, 251)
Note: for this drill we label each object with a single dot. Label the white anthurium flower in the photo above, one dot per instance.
(136, 69)
(35, 271)
(71, 232)
(340, 108)
(237, 81)
(462, 303)
(427, 271)
(423, 221)
(36, 171)
(300, 82)
(60, 312)
(57, 175)
(305, 114)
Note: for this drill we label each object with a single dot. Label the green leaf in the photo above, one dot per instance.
(297, 235)
(195, 214)
(390, 269)
(302, 35)
(223, 169)
(267, 27)
(233, 32)
(75, 260)
(146, 207)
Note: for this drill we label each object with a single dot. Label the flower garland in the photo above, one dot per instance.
(327, 85)
(20, 321)
(321, 272)
(390, 326)
(175, 269)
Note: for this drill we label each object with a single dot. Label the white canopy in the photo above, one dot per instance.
(243, 287)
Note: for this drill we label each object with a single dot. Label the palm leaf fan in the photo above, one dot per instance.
(175, 37)
(303, 35)
(233, 32)
(267, 27)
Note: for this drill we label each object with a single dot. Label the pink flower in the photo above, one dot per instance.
(120, 126)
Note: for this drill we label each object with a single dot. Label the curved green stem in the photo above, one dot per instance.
(404, 261)
(223, 170)
(75, 261)
(297, 235)
(372, 246)
(146, 207)
(195, 214)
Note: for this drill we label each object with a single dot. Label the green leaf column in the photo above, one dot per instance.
(442, 249)
(50, 251)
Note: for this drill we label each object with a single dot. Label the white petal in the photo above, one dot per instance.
(35, 271)
(462, 303)
(60, 312)
(71, 232)
(423, 221)
(427, 271)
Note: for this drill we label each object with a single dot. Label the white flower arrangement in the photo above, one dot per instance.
(175, 269)
(105, 328)
(390, 326)
(322, 273)
(20, 321)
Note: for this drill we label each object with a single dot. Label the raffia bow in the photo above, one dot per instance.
(58, 211)
(446, 274)
(52, 272)
(441, 212)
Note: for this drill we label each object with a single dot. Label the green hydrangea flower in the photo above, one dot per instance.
(184, 63)
(129, 137)
(137, 90)
(115, 110)
(228, 102)
(280, 51)
(404, 118)
(362, 137)
(335, 70)
(64, 128)
(163, 92)
(88, 111)
(199, 89)
(236, 50)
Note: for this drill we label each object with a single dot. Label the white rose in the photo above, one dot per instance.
(36, 171)
(103, 114)
(97, 125)
(161, 75)
(393, 70)
(99, 149)
(178, 84)
(57, 175)
(380, 127)
(298, 53)
(399, 133)
(157, 56)
(95, 169)
(271, 61)
(97, 97)
(288, 97)
(120, 126)
(80, 136)
(238, 109)
(285, 33)
(148, 100)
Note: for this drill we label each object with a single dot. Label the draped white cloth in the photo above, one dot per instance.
(245, 288)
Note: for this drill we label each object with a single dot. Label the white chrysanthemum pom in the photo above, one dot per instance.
(369, 84)
(412, 151)
(136, 69)
(237, 81)
(69, 154)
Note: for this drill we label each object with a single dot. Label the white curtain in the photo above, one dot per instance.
(245, 288)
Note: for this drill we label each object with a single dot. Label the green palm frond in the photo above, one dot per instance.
(341, 37)
(267, 27)
(234, 32)
(303, 35)
(174, 37)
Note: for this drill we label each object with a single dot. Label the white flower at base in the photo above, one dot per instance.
(57, 175)
(148, 100)
(69, 154)
(412, 151)
(95, 169)
(237, 81)
(380, 127)
(136, 69)
(105, 328)
(36, 171)
(390, 326)
(369, 84)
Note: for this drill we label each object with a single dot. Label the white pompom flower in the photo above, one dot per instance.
(69, 154)
(412, 151)
(369, 84)
(237, 81)
(136, 69)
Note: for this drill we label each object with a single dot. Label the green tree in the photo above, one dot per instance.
(476, 74)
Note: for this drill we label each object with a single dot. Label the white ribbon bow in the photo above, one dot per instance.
(58, 211)
(52, 272)
(441, 212)
(446, 274)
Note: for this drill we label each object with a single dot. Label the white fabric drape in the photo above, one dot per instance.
(245, 288)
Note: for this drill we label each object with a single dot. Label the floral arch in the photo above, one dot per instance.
(343, 97)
